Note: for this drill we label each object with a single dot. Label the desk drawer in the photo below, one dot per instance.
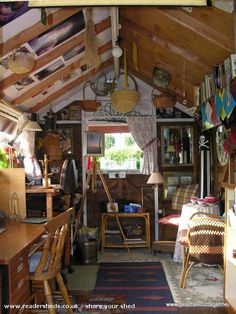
(19, 279)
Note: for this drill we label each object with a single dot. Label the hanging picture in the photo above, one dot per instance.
(94, 144)
(66, 141)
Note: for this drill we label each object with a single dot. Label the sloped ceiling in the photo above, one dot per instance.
(184, 42)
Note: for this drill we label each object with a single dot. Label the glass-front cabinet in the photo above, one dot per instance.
(176, 145)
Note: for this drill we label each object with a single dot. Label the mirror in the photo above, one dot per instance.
(176, 145)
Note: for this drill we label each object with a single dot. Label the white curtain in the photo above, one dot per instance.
(26, 146)
(143, 130)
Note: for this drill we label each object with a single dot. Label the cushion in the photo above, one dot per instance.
(182, 195)
(172, 220)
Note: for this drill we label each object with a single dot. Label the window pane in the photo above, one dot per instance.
(121, 152)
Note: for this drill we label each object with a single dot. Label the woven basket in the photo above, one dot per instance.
(125, 100)
(164, 100)
(89, 104)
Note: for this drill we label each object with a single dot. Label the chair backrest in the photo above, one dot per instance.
(206, 239)
(50, 260)
(183, 194)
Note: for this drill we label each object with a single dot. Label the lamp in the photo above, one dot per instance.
(156, 179)
(171, 150)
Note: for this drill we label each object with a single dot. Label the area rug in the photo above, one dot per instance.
(144, 285)
(204, 284)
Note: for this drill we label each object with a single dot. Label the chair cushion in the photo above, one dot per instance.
(172, 220)
(34, 261)
(182, 195)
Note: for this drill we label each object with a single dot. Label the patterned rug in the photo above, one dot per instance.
(204, 284)
(144, 285)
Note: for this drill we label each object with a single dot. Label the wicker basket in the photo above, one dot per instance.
(164, 100)
(125, 100)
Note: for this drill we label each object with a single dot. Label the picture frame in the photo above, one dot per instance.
(75, 113)
(94, 144)
(172, 180)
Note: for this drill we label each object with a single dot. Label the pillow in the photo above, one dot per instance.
(183, 194)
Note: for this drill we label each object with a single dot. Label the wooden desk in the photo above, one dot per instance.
(143, 243)
(15, 243)
(50, 193)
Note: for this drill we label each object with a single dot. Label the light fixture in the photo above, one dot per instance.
(156, 179)
(33, 125)
(117, 52)
(21, 62)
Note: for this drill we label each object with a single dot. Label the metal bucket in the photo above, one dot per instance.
(88, 252)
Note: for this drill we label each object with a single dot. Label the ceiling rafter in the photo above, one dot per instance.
(55, 53)
(71, 86)
(56, 76)
(36, 29)
(183, 18)
(164, 43)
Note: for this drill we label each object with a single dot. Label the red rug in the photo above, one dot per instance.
(144, 285)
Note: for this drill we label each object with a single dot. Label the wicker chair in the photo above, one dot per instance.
(45, 264)
(168, 225)
(204, 243)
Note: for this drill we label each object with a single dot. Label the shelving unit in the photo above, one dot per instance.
(131, 242)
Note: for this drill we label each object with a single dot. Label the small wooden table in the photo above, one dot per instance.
(15, 244)
(135, 243)
(50, 192)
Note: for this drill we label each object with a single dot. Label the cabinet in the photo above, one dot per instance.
(124, 217)
(230, 248)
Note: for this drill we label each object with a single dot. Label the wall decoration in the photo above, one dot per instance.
(66, 141)
(25, 82)
(58, 34)
(75, 113)
(49, 70)
(94, 144)
(11, 10)
(74, 52)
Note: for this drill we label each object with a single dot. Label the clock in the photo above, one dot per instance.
(222, 154)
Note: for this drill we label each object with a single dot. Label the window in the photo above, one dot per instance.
(121, 153)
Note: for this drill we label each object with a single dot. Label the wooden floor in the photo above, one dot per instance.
(203, 310)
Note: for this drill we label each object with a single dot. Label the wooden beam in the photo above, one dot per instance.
(71, 86)
(36, 29)
(54, 53)
(164, 43)
(56, 76)
(187, 21)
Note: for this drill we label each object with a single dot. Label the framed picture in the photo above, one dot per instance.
(172, 180)
(94, 144)
(75, 113)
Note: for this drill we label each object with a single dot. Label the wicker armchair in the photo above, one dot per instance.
(204, 243)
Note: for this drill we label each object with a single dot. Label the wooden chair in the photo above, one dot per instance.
(204, 243)
(45, 265)
(168, 225)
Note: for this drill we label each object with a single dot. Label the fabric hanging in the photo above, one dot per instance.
(143, 130)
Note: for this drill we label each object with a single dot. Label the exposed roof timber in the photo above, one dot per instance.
(43, 3)
(71, 85)
(56, 76)
(165, 44)
(37, 29)
(183, 18)
(55, 53)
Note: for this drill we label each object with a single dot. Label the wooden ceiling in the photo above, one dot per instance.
(185, 43)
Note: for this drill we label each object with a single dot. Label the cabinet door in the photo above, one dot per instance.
(176, 145)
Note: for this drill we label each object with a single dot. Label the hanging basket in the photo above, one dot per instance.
(89, 104)
(125, 100)
(164, 100)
